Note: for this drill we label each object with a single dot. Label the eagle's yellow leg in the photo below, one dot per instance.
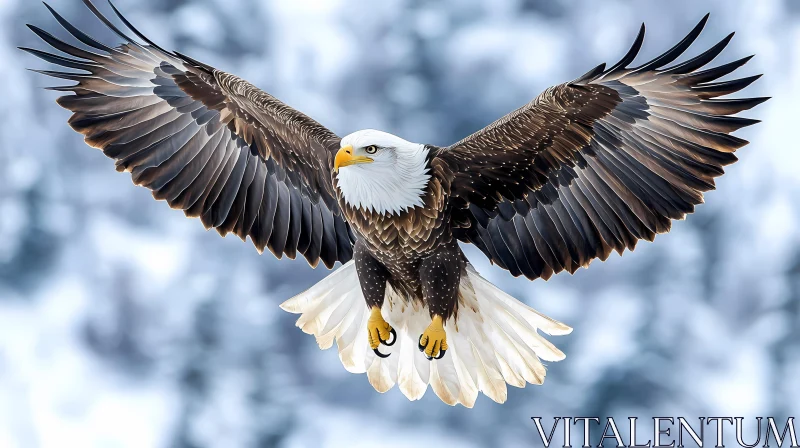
(434, 339)
(378, 330)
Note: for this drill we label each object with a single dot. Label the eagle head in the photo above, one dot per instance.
(377, 171)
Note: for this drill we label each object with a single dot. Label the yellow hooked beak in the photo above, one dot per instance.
(345, 157)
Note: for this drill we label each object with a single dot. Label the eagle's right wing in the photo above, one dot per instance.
(207, 142)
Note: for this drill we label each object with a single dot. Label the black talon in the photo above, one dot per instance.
(441, 354)
(421, 347)
(433, 350)
(394, 339)
(386, 343)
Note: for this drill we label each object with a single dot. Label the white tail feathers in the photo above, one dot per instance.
(493, 341)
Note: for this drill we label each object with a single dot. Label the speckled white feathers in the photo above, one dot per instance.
(394, 182)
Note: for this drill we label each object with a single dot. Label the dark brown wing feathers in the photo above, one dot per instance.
(594, 165)
(207, 142)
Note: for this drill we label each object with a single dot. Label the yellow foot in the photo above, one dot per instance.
(378, 331)
(433, 341)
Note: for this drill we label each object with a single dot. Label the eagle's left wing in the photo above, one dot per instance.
(596, 164)
(207, 142)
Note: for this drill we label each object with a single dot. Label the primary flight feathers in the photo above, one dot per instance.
(205, 141)
(596, 164)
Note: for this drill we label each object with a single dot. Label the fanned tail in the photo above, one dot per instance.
(493, 341)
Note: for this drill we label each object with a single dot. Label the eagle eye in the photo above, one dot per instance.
(371, 149)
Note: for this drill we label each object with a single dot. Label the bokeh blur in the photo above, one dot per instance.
(124, 324)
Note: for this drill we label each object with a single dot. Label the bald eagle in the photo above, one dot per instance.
(589, 167)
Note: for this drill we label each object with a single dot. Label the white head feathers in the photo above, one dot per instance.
(396, 179)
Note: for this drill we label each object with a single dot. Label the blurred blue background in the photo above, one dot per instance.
(124, 324)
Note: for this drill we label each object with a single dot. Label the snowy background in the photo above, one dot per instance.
(124, 324)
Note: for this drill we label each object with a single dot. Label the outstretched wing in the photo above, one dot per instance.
(598, 163)
(207, 142)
